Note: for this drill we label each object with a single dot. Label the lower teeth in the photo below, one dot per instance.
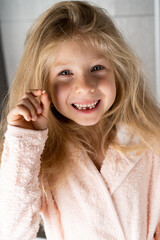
(85, 108)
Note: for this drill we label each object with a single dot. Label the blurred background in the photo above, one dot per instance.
(138, 20)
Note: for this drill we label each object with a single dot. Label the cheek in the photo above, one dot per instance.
(109, 87)
(59, 94)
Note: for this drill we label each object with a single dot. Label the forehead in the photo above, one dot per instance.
(78, 48)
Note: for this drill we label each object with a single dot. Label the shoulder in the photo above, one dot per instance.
(124, 135)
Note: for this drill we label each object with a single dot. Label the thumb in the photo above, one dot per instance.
(45, 103)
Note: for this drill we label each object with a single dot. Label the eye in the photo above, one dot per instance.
(65, 72)
(96, 68)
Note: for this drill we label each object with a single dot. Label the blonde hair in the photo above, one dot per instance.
(134, 106)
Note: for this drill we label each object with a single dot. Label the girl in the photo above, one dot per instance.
(83, 154)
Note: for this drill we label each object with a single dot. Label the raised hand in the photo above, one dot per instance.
(29, 113)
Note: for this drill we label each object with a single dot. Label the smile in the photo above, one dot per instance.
(86, 106)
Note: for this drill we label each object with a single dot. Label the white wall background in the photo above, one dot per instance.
(135, 19)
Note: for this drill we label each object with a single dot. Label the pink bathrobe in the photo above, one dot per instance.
(121, 202)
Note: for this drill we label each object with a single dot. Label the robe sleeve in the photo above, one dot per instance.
(20, 196)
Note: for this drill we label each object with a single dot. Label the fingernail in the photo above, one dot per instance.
(35, 117)
(39, 110)
(43, 91)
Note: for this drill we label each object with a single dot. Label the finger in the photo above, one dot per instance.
(26, 103)
(34, 101)
(35, 92)
(20, 110)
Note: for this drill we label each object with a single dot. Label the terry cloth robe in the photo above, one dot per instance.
(121, 202)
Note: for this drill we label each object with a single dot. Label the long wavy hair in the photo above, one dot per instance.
(134, 106)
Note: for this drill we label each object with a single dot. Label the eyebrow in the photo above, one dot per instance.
(61, 64)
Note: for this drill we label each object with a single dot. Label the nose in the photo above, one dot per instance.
(84, 84)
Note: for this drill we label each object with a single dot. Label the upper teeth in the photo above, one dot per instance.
(80, 106)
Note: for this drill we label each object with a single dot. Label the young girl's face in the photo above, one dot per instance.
(82, 83)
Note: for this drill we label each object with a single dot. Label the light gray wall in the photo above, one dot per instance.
(135, 18)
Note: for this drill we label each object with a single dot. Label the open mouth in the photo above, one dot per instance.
(86, 107)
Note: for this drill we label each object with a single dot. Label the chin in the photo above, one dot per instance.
(86, 123)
